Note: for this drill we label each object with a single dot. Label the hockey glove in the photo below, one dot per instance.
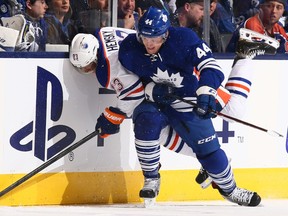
(159, 93)
(206, 102)
(109, 121)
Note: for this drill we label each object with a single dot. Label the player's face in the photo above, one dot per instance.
(272, 12)
(89, 68)
(152, 44)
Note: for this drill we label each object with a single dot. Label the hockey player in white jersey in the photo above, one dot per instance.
(99, 54)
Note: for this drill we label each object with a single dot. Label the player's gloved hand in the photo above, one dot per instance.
(206, 102)
(159, 93)
(109, 121)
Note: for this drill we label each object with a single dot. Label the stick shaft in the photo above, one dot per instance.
(48, 163)
(230, 117)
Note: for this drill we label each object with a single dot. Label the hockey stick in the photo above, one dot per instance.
(49, 162)
(271, 132)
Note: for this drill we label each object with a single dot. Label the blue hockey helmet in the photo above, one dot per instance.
(154, 22)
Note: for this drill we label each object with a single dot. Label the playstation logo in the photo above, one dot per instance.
(48, 86)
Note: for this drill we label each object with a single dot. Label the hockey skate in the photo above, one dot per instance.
(203, 178)
(252, 43)
(242, 197)
(150, 191)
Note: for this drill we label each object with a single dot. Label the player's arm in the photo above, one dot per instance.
(211, 77)
(130, 93)
(127, 85)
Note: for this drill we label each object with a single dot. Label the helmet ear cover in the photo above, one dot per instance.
(83, 51)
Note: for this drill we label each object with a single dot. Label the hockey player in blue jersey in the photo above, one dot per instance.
(164, 58)
(99, 54)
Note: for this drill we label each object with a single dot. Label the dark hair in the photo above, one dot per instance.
(181, 3)
(32, 1)
(284, 2)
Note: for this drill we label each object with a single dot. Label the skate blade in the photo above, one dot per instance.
(250, 35)
(206, 183)
(149, 202)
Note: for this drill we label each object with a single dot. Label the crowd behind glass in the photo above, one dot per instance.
(58, 21)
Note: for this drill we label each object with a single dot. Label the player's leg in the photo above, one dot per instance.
(232, 99)
(239, 82)
(172, 141)
(201, 137)
(148, 123)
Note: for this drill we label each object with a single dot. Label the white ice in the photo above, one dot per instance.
(196, 208)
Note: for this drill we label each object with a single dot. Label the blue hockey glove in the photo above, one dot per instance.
(159, 93)
(206, 102)
(109, 121)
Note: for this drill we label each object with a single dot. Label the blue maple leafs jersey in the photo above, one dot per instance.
(182, 53)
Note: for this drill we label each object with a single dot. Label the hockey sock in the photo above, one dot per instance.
(148, 153)
(219, 169)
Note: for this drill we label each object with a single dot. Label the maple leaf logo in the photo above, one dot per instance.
(174, 80)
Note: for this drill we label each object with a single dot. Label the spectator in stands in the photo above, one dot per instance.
(284, 19)
(244, 9)
(127, 16)
(190, 13)
(98, 4)
(61, 28)
(143, 5)
(265, 22)
(10, 8)
(102, 7)
(90, 14)
(36, 27)
(222, 17)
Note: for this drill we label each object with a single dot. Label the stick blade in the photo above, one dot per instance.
(274, 133)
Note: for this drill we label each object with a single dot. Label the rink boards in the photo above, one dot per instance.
(47, 106)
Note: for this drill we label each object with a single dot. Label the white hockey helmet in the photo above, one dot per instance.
(83, 52)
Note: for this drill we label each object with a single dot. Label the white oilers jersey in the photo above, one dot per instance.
(112, 75)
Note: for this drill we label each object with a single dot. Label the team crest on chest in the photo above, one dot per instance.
(174, 80)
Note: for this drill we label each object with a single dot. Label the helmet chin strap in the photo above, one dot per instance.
(165, 36)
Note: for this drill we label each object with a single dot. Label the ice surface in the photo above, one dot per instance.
(196, 208)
